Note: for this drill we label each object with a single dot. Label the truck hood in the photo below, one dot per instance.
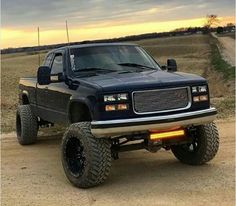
(137, 80)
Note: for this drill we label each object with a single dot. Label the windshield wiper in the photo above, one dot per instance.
(136, 65)
(87, 69)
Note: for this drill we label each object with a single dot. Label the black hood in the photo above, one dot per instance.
(136, 80)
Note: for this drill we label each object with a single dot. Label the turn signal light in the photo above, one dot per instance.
(110, 108)
(200, 98)
(115, 107)
(122, 106)
(162, 135)
(203, 98)
(196, 99)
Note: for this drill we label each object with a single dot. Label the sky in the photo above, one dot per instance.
(98, 19)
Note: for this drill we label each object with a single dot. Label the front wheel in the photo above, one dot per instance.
(86, 160)
(203, 148)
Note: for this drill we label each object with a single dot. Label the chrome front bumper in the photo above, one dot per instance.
(111, 128)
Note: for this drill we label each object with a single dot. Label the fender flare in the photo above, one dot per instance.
(24, 93)
(84, 101)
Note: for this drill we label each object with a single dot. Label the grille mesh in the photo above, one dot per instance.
(160, 100)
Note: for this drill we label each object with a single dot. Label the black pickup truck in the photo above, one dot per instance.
(114, 97)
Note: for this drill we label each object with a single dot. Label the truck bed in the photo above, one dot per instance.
(27, 85)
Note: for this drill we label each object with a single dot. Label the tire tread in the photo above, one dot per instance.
(210, 145)
(99, 153)
(29, 125)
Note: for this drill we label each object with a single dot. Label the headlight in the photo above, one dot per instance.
(197, 93)
(116, 97)
(194, 89)
(199, 89)
(202, 88)
(109, 98)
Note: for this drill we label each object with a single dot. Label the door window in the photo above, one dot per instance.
(57, 65)
(48, 60)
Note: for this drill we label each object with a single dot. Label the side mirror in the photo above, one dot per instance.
(43, 75)
(171, 65)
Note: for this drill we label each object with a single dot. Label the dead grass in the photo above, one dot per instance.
(224, 106)
(180, 40)
(191, 52)
(12, 68)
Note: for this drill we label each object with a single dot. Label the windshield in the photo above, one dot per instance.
(110, 58)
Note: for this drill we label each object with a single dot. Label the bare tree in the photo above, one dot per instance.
(212, 20)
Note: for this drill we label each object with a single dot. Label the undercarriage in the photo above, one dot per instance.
(143, 141)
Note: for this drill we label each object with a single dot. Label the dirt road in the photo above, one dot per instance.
(33, 175)
(228, 49)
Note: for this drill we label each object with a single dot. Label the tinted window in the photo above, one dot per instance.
(48, 60)
(109, 57)
(57, 65)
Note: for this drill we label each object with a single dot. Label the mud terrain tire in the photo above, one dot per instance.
(203, 149)
(26, 125)
(86, 160)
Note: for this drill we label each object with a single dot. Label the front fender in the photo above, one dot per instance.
(87, 101)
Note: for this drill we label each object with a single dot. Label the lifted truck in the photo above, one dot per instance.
(115, 97)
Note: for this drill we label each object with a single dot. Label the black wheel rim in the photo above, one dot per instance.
(18, 125)
(75, 157)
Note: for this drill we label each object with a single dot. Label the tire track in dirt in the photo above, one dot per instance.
(33, 175)
(228, 49)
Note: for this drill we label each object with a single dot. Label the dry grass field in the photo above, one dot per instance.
(193, 54)
(14, 66)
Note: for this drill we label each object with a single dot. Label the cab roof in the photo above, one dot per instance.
(91, 45)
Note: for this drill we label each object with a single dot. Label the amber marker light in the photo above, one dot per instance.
(110, 108)
(196, 99)
(203, 98)
(116, 107)
(122, 106)
(162, 135)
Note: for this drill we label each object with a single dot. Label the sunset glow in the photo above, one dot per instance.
(20, 38)
(102, 21)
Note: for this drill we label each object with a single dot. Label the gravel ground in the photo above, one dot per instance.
(33, 175)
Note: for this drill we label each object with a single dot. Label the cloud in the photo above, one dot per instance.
(23, 14)
(28, 38)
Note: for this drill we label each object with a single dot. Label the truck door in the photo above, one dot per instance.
(42, 91)
(56, 96)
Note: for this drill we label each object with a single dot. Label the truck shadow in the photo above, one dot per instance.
(156, 175)
(49, 139)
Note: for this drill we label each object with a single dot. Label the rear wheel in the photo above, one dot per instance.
(203, 148)
(26, 125)
(86, 160)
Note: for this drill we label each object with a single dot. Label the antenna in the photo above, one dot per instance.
(67, 32)
(39, 46)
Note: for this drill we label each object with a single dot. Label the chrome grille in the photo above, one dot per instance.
(157, 101)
